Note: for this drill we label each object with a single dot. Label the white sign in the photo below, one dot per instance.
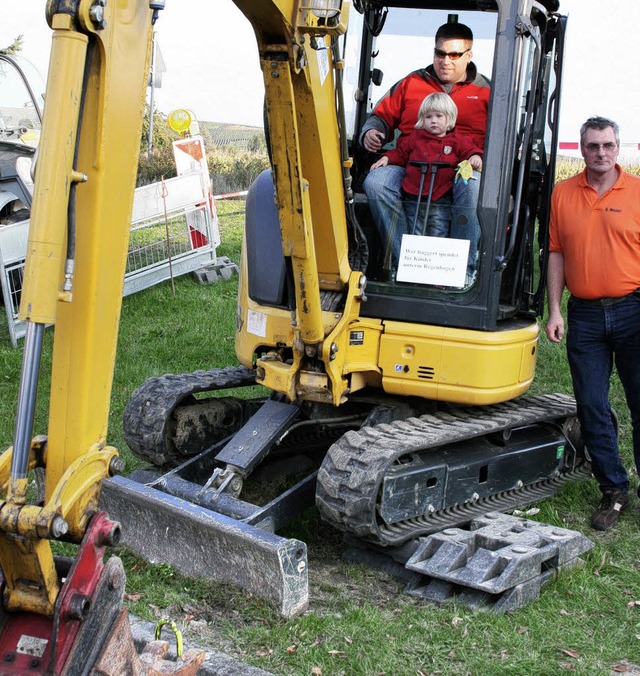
(257, 323)
(31, 645)
(441, 261)
(189, 155)
(323, 64)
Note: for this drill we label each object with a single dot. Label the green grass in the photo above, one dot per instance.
(359, 620)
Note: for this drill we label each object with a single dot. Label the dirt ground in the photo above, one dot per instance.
(333, 581)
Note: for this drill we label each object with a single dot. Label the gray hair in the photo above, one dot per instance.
(599, 123)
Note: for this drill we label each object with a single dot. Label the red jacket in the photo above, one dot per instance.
(425, 147)
(399, 107)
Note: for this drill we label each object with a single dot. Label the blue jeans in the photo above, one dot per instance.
(383, 189)
(438, 218)
(464, 219)
(599, 336)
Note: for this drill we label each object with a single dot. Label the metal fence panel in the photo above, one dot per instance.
(174, 230)
(13, 245)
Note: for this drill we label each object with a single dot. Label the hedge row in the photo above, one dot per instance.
(231, 169)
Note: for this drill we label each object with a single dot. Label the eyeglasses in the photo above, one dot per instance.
(595, 147)
(454, 56)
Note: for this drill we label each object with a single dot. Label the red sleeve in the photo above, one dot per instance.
(390, 108)
(400, 154)
(468, 147)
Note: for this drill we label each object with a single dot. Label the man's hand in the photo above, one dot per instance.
(555, 327)
(555, 287)
(373, 140)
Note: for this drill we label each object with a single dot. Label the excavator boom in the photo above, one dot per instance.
(60, 615)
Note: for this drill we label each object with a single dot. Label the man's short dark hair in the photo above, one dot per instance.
(454, 31)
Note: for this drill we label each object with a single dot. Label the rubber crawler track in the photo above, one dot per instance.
(151, 406)
(353, 469)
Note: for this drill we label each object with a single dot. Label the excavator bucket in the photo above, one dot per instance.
(89, 631)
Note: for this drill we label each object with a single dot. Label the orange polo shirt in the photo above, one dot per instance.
(599, 237)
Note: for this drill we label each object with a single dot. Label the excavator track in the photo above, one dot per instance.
(150, 410)
(350, 478)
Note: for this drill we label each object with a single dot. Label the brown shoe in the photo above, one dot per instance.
(611, 504)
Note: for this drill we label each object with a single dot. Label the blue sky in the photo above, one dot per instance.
(212, 38)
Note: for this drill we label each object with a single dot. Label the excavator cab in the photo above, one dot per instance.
(503, 280)
(489, 280)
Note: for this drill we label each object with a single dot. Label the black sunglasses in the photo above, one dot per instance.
(454, 56)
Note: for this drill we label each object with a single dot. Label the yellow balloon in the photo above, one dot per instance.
(179, 120)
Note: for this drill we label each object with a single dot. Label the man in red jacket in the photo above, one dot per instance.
(454, 73)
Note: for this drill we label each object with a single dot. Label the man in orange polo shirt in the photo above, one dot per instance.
(595, 251)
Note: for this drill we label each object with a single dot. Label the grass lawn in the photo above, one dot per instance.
(359, 621)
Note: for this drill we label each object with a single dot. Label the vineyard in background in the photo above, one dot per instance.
(568, 166)
(221, 135)
(236, 154)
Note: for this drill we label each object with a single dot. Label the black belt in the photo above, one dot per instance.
(607, 300)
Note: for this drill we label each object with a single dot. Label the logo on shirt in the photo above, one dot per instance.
(447, 150)
(472, 97)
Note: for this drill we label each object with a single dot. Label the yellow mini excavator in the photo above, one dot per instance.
(392, 384)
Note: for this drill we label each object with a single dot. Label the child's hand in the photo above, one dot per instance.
(476, 162)
(382, 162)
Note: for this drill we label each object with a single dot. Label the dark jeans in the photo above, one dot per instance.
(599, 336)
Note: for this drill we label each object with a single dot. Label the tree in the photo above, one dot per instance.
(15, 47)
(257, 144)
(163, 135)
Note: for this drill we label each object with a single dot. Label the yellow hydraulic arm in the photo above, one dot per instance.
(85, 179)
(299, 55)
(84, 185)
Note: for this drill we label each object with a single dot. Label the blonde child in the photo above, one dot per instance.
(434, 140)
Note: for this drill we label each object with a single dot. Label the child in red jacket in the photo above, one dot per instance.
(434, 140)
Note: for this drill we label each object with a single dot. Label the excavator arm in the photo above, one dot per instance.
(301, 62)
(75, 267)
(60, 615)
(73, 280)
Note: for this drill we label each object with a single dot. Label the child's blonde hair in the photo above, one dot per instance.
(438, 102)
